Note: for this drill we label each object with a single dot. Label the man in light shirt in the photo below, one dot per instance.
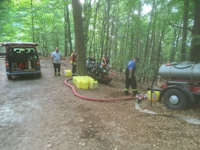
(56, 61)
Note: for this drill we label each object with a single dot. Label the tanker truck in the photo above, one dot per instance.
(182, 84)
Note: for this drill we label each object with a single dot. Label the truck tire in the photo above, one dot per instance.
(39, 75)
(9, 77)
(175, 99)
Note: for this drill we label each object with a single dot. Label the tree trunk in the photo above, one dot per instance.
(126, 51)
(121, 54)
(112, 32)
(111, 40)
(86, 20)
(65, 28)
(138, 30)
(171, 59)
(151, 56)
(146, 56)
(158, 58)
(79, 38)
(56, 38)
(107, 33)
(195, 44)
(131, 46)
(33, 34)
(115, 46)
(102, 38)
(185, 25)
(177, 43)
(94, 25)
(69, 31)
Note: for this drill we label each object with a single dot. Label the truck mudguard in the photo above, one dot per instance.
(188, 94)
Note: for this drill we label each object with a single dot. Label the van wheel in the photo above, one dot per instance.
(39, 75)
(9, 77)
(175, 99)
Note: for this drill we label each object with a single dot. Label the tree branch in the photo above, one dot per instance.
(180, 27)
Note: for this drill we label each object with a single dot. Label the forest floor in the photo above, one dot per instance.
(44, 114)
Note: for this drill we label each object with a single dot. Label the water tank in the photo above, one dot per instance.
(180, 71)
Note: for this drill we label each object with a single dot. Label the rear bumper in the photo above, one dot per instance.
(23, 73)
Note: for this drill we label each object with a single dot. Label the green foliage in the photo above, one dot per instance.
(130, 35)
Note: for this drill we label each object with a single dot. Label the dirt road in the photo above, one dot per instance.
(44, 114)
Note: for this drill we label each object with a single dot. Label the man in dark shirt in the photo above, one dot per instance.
(130, 77)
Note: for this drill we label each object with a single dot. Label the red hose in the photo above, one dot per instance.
(94, 99)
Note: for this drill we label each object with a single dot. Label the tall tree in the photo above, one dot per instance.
(32, 19)
(195, 44)
(86, 20)
(79, 38)
(94, 26)
(69, 30)
(185, 26)
(107, 27)
(65, 27)
(138, 25)
(146, 51)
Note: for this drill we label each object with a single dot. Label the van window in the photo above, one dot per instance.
(2, 49)
(26, 50)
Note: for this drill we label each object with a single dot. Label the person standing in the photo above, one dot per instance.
(56, 61)
(73, 62)
(130, 77)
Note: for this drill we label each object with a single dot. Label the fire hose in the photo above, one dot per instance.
(95, 99)
(185, 118)
(137, 107)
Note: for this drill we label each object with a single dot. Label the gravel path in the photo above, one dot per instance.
(43, 114)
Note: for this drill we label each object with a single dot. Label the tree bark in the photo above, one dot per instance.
(102, 37)
(195, 44)
(115, 45)
(33, 34)
(146, 56)
(65, 28)
(79, 38)
(177, 43)
(86, 20)
(173, 45)
(138, 31)
(185, 25)
(158, 58)
(69, 31)
(107, 32)
(94, 26)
